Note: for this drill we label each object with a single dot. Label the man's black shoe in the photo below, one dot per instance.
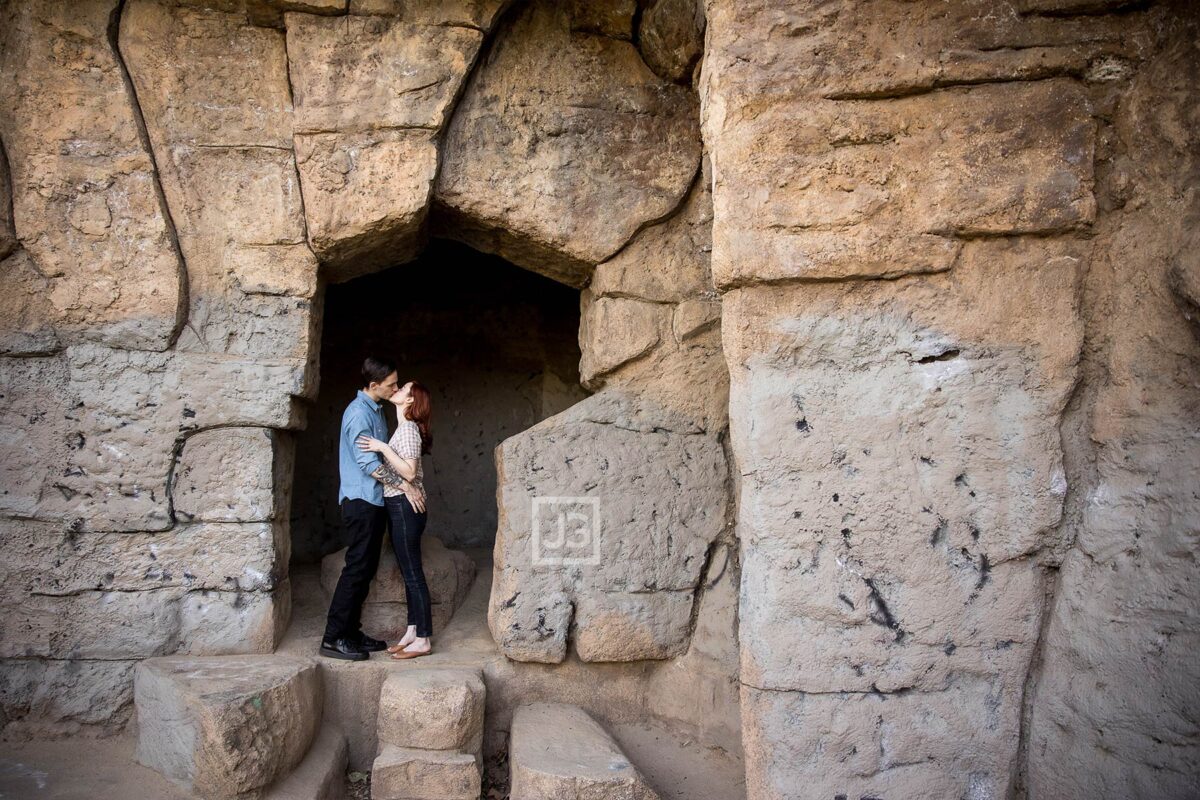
(343, 648)
(370, 645)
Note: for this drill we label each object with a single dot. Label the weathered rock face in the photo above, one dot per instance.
(900, 443)
(931, 265)
(371, 95)
(214, 92)
(1113, 705)
(534, 167)
(642, 490)
(83, 189)
(226, 728)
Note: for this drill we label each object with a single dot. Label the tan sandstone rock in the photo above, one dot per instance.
(614, 331)
(607, 510)
(557, 751)
(480, 14)
(402, 773)
(84, 193)
(371, 94)
(555, 131)
(223, 727)
(25, 308)
(215, 95)
(432, 709)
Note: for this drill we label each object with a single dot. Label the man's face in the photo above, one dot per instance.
(389, 386)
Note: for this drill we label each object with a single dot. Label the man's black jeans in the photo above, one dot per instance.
(407, 527)
(364, 524)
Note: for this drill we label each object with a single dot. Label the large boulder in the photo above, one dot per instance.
(224, 727)
(607, 511)
(371, 94)
(555, 129)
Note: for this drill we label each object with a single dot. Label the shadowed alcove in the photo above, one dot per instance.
(496, 345)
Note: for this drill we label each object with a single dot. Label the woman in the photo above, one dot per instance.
(402, 455)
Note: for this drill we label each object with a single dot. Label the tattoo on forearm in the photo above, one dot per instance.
(388, 476)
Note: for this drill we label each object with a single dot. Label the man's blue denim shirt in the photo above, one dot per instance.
(362, 417)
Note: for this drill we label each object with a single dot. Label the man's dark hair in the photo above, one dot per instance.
(376, 370)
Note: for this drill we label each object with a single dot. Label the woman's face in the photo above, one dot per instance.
(403, 397)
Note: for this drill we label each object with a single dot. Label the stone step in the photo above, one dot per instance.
(430, 731)
(403, 773)
(433, 709)
(224, 726)
(322, 773)
(448, 573)
(558, 752)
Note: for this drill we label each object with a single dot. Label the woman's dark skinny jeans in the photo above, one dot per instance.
(407, 527)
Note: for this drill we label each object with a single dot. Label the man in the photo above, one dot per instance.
(360, 496)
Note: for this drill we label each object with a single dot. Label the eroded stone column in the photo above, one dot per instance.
(898, 250)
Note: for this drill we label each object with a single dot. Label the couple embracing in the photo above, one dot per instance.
(381, 482)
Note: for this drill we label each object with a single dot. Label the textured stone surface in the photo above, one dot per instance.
(400, 773)
(448, 573)
(654, 489)
(887, 522)
(322, 773)
(480, 14)
(46, 699)
(555, 130)
(1113, 707)
(887, 188)
(667, 262)
(234, 622)
(223, 727)
(432, 709)
(371, 94)
(59, 560)
(641, 326)
(671, 37)
(558, 751)
(233, 475)
(84, 195)
(25, 308)
(215, 95)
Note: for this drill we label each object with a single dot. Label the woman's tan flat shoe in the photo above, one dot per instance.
(407, 654)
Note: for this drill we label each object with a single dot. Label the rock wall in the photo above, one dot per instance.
(947, 418)
(1112, 707)
(181, 179)
(888, 312)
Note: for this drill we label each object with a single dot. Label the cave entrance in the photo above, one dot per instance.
(498, 348)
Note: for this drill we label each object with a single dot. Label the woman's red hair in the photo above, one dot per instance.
(419, 412)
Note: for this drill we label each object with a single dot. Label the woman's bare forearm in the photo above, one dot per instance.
(403, 466)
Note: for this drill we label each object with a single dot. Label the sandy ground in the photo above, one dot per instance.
(80, 769)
